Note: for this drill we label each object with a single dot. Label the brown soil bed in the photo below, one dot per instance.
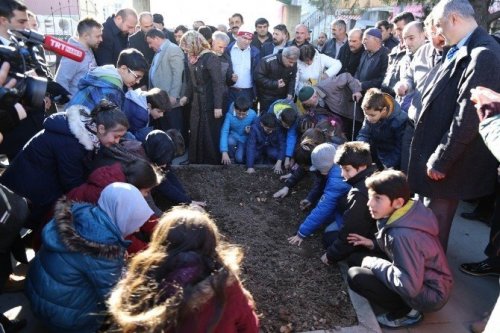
(290, 285)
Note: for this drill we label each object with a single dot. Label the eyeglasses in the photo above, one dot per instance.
(137, 77)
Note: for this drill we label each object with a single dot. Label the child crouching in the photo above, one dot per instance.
(415, 278)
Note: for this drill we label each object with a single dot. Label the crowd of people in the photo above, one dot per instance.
(397, 124)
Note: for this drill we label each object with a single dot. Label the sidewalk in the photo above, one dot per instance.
(471, 296)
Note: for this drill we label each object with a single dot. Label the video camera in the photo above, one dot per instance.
(23, 55)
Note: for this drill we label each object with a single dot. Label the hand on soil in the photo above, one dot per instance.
(202, 204)
(250, 170)
(295, 240)
(304, 204)
(225, 159)
(358, 240)
(281, 193)
(285, 177)
(277, 168)
(324, 259)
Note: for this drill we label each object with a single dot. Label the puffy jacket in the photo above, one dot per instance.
(269, 70)
(291, 133)
(100, 83)
(51, 163)
(386, 137)
(326, 209)
(259, 140)
(235, 127)
(337, 93)
(79, 263)
(417, 268)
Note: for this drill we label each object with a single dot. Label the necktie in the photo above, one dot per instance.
(451, 52)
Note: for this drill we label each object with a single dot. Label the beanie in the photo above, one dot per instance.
(322, 158)
(305, 93)
(374, 32)
(159, 148)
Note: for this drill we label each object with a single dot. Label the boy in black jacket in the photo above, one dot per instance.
(355, 161)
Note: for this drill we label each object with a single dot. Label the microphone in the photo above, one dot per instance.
(53, 44)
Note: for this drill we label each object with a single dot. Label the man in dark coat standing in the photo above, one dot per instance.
(138, 41)
(448, 159)
(115, 34)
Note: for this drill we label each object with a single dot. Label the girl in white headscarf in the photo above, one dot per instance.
(82, 256)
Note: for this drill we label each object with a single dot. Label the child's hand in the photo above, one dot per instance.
(281, 193)
(202, 204)
(217, 113)
(277, 168)
(250, 170)
(225, 158)
(304, 204)
(285, 177)
(247, 129)
(324, 259)
(358, 240)
(287, 163)
(295, 240)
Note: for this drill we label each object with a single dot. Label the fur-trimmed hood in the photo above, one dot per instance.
(83, 228)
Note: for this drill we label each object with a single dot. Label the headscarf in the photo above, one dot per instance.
(126, 207)
(194, 44)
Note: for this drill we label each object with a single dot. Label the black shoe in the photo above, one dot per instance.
(15, 325)
(481, 268)
(475, 216)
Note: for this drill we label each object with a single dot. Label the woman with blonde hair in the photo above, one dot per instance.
(207, 90)
(186, 273)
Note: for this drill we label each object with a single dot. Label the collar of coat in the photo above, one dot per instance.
(77, 126)
(73, 241)
(400, 212)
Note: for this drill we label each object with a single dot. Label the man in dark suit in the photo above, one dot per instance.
(448, 159)
(339, 38)
(115, 34)
(138, 41)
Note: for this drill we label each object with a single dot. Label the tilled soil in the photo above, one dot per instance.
(292, 288)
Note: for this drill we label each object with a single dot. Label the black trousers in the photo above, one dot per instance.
(364, 282)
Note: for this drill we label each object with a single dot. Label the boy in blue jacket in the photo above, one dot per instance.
(287, 115)
(322, 158)
(383, 128)
(414, 277)
(235, 130)
(265, 143)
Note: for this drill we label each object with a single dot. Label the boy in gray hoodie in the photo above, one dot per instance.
(415, 277)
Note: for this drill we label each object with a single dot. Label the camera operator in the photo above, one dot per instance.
(10, 116)
(13, 16)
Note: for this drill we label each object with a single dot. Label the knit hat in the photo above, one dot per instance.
(374, 32)
(305, 93)
(159, 148)
(245, 33)
(322, 158)
(158, 18)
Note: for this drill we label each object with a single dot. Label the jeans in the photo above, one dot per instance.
(236, 150)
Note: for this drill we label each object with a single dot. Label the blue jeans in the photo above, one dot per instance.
(267, 155)
(236, 150)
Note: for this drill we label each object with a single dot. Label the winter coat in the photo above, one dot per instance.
(235, 127)
(446, 134)
(113, 42)
(372, 69)
(100, 83)
(79, 263)
(238, 313)
(417, 268)
(52, 163)
(395, 60)
(326, 210)
(259, 140)
(490, 132)
(310, 75)
(70, 71)
(289, 134)
(254, 59)
(330, 48)
(269, 70)
(135, 108)
(337, 94)
(355, 216)
(138, 41)
(386, 137)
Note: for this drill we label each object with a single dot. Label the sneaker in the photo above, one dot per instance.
(411, 318)
(481, 268)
